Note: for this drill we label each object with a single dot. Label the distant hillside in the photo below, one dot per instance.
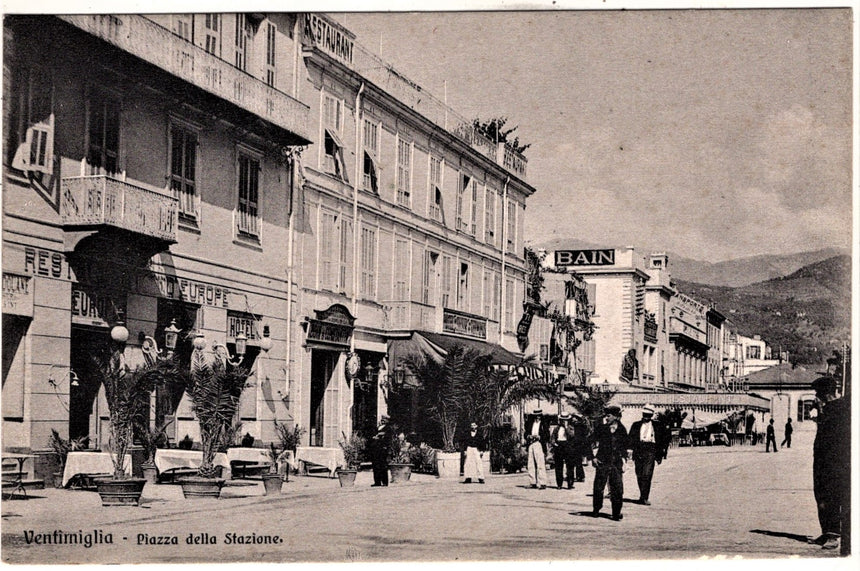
(807, 313)
(734, 273)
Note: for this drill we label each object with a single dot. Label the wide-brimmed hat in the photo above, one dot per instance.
(648, 409)
(537, 412)
(564, 416)
(824, 384)
(474, 425)
(613, 410)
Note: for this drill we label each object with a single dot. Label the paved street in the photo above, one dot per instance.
(707, 502)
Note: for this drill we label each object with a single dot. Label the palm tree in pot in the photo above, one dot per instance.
(151, 439)
(353, 453)
(214, 389)
(289, 439)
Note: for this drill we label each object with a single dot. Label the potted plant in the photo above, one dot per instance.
(61, 448)
(127, 392)
(353, 453)
(272, 480)
(151, 438)
(289, 439)
(186, 443)
(214, 389)
(400, 459)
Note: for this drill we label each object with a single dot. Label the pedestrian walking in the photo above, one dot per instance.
(563, 452)
(770, 437)
(831, 466)
(581, 445)
(610, 461)
(380, 444)
(649, 444)
(474, 467)
(537, 438)
(786, 441)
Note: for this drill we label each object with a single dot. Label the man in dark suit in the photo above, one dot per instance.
(771, 437)
(379, 448)
(581, 445)
(537, 438)
(563, 452)
(610, 461)
(786, 440)
(831, 466)
(649, 443)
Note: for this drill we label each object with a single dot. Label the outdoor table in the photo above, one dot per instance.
(78, 463)
(330, 458)
(19, 477)
(168, 459)
(245, 456)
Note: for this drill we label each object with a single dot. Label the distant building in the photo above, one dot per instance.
(789, 389)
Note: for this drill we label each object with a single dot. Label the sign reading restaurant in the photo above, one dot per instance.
(332, 326)
(585, 257)
(329, 37)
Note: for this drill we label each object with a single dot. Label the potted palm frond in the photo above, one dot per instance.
(272, 479)
(353, 453)
(127, 392)
(289, 439)
(214, 389)
(151, 438)
(61, 447)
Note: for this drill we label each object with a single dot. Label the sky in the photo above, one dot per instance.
(714, 134)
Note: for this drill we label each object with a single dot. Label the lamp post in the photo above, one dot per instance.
(150, 347)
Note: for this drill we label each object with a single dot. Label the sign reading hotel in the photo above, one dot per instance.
(329, 37)
(585, 257)
(464, 324)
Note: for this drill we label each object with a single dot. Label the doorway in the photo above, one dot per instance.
(322, 369)
(89, 347)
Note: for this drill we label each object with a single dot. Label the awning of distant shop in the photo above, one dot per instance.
(701, 419)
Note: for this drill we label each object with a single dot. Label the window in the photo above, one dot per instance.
(487, 292)
(401, 270)
(753, 352)
(344, 282)
(183, 166)
(249, 187)
(592, 298)
(32, 123)
(473, 227)
(103, 120)
(447, 277)
(429, 278)
(270, 53)
(212, 26)
(509, 304)
(368, 263)
(332, 113)
(435, 189)
(333, 147)
(490, 216)
(327, 256)
(371, 152)
(462, 224)
(512, 226)
(497, 294)
(242, 33)
(404, 172)
(463, 288)
(182, 26)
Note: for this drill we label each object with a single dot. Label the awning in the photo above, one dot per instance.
(437, 345)
(701, 419)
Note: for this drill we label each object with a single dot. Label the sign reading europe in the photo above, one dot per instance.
(585, 257)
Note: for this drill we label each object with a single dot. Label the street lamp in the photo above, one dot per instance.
(150, 347)
(266, 341)
(220, 350)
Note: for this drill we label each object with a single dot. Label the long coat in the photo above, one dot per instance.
(661, 438)
(611, 446)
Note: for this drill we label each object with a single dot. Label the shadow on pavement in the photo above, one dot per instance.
(794, 536)
(590, 514)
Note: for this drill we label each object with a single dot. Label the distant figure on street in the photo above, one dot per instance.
(474, 467)
(537, 438)
(379, 448)
(786, 441)
(610, 461)
(771, 437)
(650, 444)
(581, 445)
(831, 466)
(563, 452)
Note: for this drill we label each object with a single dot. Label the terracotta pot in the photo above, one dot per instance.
(195, 487)
(120, 492)
(448, 464)
(346, 477)
(272, 483)
(400, 473)
(150, 472)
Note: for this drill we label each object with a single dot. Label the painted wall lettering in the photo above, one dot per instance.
(43, 263)
(325, 35)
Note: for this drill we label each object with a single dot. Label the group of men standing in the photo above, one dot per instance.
(648, 440)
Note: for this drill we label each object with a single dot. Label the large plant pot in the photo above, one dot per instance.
(150, 472)
(120, 492)
(272, 483)
(346, 477)
(448, 465)
(400, 473)
(195, 487)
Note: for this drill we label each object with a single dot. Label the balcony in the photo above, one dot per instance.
(104, 201)
(408, 316)
(158, 46)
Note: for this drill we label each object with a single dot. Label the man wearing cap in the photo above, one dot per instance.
(537, 437)
(649, 444)
(379, 447)
(581, 445)
(831, 465)
(475, 447)
(610, 461)
(563, 452)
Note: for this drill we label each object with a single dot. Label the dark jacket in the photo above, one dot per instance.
(661, 438)
(611, 446)
(543, 432)
(788, 429)
(474, 441)
(831, 451)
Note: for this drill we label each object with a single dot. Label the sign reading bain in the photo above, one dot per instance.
(585, 257)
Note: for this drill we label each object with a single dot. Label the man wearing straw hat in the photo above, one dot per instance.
(649, 444)
(537, 437)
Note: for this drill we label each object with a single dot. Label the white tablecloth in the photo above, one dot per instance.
(248, 455)
(331, 458)
(90, 463)
(172, 458)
